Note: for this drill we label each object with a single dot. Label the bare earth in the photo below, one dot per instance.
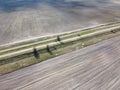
(25, 19)
(96, 67)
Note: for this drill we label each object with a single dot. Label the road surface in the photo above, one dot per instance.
(95, 67)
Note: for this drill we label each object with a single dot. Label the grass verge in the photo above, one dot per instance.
(60, 49)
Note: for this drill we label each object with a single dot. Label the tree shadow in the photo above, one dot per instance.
(36, 53)
(49, 50)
